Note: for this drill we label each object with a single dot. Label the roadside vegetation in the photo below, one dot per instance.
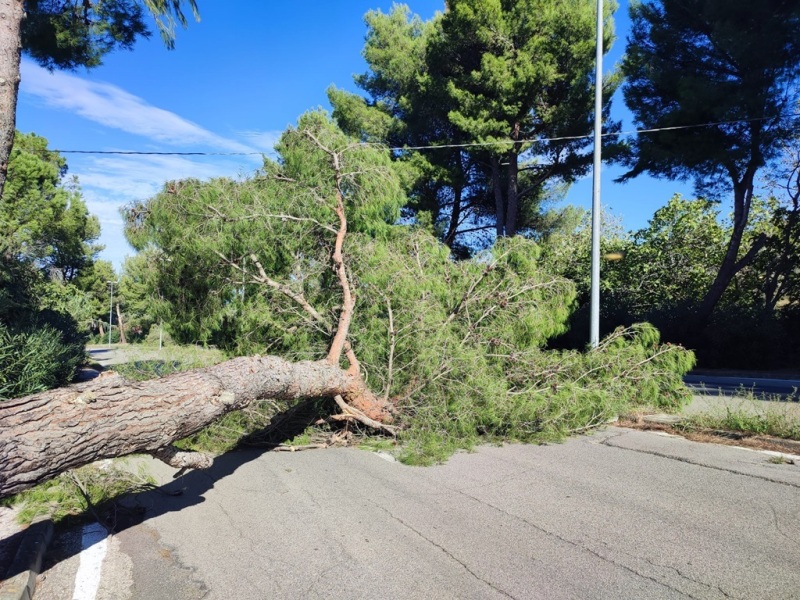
(757, 416)
(446, 280)
(88, 492)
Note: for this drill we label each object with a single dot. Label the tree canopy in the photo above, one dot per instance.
(720, 81)
(72, 33)
(43, 219)
(490, 82)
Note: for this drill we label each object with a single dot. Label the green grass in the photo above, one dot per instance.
(77, 493)
(754, 416)
(146, 363)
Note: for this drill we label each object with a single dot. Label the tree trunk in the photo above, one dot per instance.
(455, 217)
(742, 198)
(512, 212)
(48, 433)
(100, 327)
(11, 14)
(499, 205)
(122, 339)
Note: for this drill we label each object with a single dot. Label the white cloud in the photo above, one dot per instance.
(126, 178)
(263, 140)
(109, 182)
(113, 107)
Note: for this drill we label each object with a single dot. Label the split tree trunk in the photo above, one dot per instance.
(122, 338)
(46, 434)
(11, 14)
(499, 204)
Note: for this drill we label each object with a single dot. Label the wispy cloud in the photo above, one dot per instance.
(113, 107)
(126, 178)
(263, 140)
(111, 181)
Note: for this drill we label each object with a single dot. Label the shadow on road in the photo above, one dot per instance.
(187, 489)
(128, 511)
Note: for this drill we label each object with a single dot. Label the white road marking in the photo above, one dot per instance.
(94, 544)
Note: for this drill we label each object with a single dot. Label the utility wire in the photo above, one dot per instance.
(567, 138)
(143, 153)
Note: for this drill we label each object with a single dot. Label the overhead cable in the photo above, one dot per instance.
(566, 138)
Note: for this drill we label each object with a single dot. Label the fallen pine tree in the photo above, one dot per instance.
(441, 353)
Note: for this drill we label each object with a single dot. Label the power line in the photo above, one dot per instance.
(143, 153)
(566, 138)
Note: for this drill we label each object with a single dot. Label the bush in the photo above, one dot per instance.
(40, 356)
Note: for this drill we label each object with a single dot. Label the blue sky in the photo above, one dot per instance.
(235, 80)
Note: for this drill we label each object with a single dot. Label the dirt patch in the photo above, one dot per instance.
(714, 436)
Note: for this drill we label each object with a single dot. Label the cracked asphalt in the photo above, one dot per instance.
(619, 514)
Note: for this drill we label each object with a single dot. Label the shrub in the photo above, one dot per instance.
(39, 357)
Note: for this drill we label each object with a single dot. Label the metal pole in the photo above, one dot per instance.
(594, 337)
(110, 311)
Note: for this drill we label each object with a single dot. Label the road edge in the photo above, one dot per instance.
(27, 562)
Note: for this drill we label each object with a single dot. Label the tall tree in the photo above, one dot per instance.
(409, 108)
(482, 74)
(67, 34)
(42, 220)
(731, 66)
(520, 72)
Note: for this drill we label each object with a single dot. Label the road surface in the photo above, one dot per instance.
(786, 388)
(621, 514)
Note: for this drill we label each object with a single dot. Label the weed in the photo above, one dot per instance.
(78, 492)
(754, 416)
(378, 444)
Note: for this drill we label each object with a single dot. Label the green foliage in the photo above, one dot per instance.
(671, 263)
(285, 217)
(93, 283)
(67, 34)
(483, 71)
(75, 493)
(38, 357)
(41, 219)
(46, 243)
(546, 395)
(731, 63)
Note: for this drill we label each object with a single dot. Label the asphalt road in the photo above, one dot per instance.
(787, 389)
(619, 514)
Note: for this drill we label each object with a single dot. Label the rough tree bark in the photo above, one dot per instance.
(122, 338)
(48, 433)
(11, 14)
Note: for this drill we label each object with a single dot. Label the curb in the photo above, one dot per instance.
(791, 446)
(28, 562)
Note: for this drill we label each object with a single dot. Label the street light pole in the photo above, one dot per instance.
(594, 336)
